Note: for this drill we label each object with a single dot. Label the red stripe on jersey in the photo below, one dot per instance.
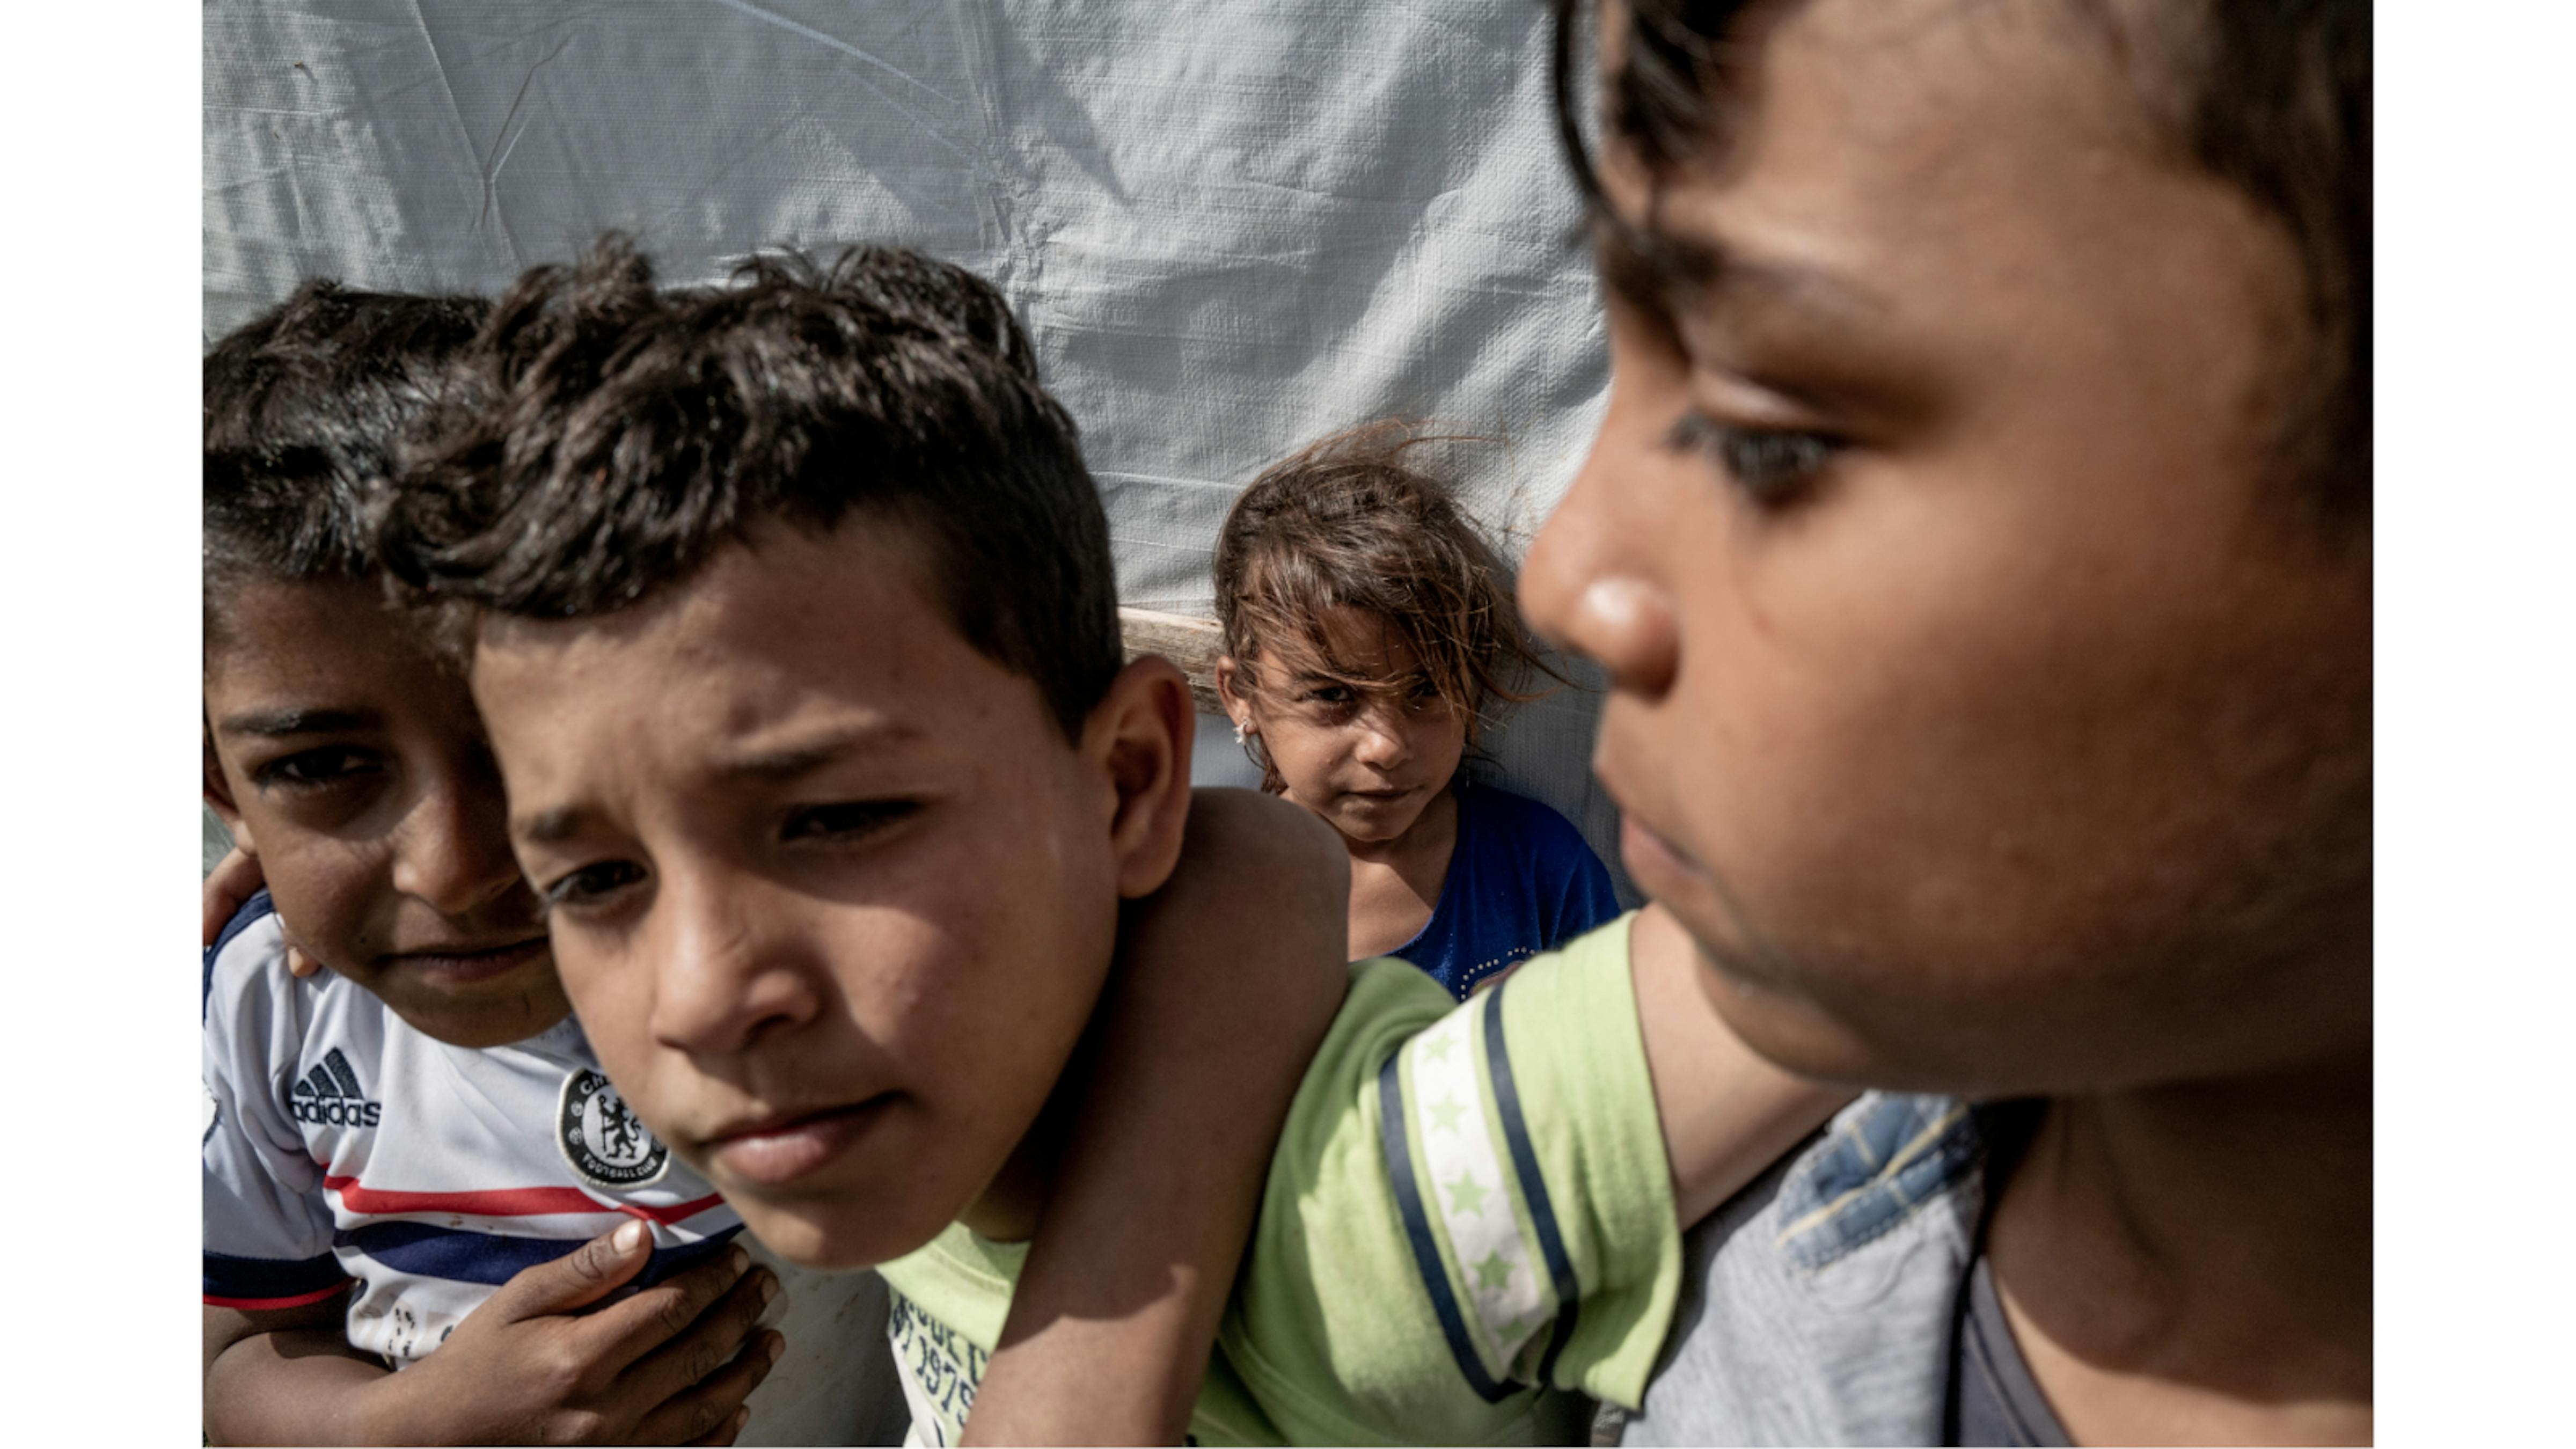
(677, 1212)
(299, 1300)
(514, 1202)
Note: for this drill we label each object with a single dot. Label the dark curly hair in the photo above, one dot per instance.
(308, 409)
(632, 432)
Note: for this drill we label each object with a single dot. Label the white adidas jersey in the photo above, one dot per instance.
(340, 1144)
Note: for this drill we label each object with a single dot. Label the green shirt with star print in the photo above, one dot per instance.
(1468, 1224)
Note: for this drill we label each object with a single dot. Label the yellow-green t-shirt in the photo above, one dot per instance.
(1469, 1214)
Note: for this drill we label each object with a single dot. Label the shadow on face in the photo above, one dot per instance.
(1971, 703)
(1352, 723)
(352, 764)
(832, 891)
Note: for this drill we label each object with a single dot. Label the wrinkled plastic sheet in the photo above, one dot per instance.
(1230, 226)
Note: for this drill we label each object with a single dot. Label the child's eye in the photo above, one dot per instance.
(592, 883)
(1327, 694)
(1772, 465)
(845, 820)
(317, 768)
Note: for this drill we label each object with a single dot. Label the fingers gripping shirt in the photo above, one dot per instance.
(1469, 1211)
(342, 1149)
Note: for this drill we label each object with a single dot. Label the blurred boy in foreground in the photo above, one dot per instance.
(1978, 543)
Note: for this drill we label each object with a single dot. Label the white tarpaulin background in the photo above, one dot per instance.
(1230, 226)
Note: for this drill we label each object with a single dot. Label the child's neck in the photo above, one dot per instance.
(2192, 1262)
(1007, 1210)
(1430, 836)
(1395, 884)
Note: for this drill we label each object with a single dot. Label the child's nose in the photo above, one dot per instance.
(1383, 743)
(1581, 590)
(452, 850)
(724, 972)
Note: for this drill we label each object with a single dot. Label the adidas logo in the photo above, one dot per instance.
(329, 1096)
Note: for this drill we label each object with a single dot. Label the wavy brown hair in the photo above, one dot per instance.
(1353, 521)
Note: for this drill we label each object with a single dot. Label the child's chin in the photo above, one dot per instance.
(480, 1025)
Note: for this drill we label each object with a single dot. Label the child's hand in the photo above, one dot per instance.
(235, 879)
(670, 1365)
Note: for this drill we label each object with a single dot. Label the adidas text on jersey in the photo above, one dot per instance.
(330, 1096)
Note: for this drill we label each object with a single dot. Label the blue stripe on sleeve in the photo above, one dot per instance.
(425, 1251)
(1417, 1229)
(231, 1277)
(249, 914)
(1507, 1105)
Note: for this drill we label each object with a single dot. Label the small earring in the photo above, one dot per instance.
(1238, 732)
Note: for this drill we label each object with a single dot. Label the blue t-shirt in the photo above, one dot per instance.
(1520, 881)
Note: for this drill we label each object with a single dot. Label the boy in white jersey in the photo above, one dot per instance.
(794, 627)
(369, 1125)
(425, 1120)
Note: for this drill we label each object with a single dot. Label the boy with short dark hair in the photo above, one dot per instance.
(1978, 545)
(375, 1164)
(425, 1121)
(792, 621)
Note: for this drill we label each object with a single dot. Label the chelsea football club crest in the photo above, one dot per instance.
(606, 1144)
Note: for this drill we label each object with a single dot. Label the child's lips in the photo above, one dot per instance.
(466, 964)
(1657, 864)
(776, 1150)
(1657, 861)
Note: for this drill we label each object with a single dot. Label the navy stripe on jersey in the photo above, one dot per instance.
(424, 1251)
(231, 1277)
(249, 915)
(1417, 1230)
(669, 1261)
(1551, 1244)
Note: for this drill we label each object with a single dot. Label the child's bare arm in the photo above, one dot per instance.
(1728, 1114)
(235, 879)
(307, 1373)
(1228, 978)
(661, 1367)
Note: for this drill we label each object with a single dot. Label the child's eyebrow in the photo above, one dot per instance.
(547, 827)
(790, 758)
(1656, 268)
(274, 723)
(778, 764)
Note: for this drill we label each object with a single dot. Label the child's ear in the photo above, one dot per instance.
(219, 798)
(1237, 708)
(1142, 731)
